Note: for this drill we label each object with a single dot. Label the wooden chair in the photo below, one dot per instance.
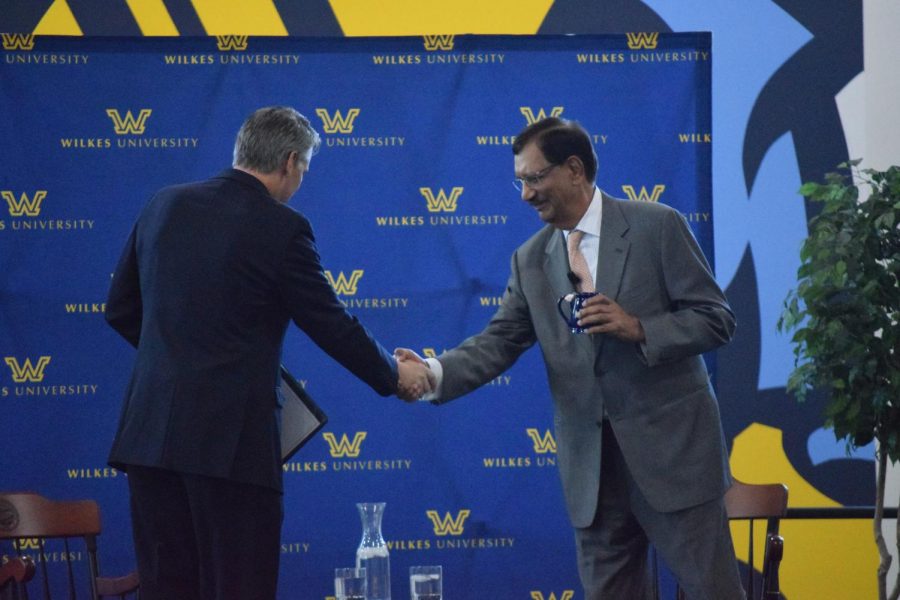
(31, 523)
(752, 502)
(13, 574)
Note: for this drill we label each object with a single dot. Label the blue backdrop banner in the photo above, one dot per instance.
(415, 218)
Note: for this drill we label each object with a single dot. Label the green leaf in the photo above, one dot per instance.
(886, 221)
(809, 189)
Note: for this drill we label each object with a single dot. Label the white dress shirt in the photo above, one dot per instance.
(590, 241)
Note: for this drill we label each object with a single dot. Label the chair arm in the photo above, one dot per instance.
(19, 569)
(771, 563)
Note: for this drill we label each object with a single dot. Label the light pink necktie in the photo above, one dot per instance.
(578, 263)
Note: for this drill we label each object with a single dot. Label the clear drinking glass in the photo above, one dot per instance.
(350, 584)
(425, 583)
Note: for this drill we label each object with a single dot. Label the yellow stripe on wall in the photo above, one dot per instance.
(58, 20)
(240, 17)
(152, 17)
(431, 17)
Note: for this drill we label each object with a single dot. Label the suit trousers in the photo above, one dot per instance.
(613, 551)
(204, 537)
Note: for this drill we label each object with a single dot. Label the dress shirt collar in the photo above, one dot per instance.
(590, 222)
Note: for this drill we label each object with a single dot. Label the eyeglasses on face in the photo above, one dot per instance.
(533, 180)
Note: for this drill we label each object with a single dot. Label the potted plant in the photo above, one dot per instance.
(845, 314)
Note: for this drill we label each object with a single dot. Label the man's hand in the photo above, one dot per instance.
(603, 315)
(416, 379)
(404, 354)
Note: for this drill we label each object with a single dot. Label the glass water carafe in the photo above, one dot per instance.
(373, 552)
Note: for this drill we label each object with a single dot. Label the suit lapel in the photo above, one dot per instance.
(613, 252)
(556, 264)
(613, 249)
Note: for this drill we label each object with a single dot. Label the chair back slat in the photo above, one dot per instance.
(44, 575)
(750, 562)
(69, 572)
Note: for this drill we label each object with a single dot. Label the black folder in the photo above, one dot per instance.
(301, 417)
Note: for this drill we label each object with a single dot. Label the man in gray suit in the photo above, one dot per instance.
(640, 445)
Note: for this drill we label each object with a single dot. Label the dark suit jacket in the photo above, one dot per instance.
(657, 397)
(209, 279)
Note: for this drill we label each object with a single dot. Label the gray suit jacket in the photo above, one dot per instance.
(657, 395)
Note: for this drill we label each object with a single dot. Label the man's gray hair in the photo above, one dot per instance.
(269, 135)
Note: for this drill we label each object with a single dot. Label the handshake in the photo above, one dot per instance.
(416, 377)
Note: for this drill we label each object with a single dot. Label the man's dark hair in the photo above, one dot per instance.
(558, 139)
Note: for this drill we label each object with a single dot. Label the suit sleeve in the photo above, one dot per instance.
(484, 356)
(124, 307)
(316, 310)
(698, 319)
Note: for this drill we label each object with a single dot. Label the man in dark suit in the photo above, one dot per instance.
(640, 444)
(211, 275)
